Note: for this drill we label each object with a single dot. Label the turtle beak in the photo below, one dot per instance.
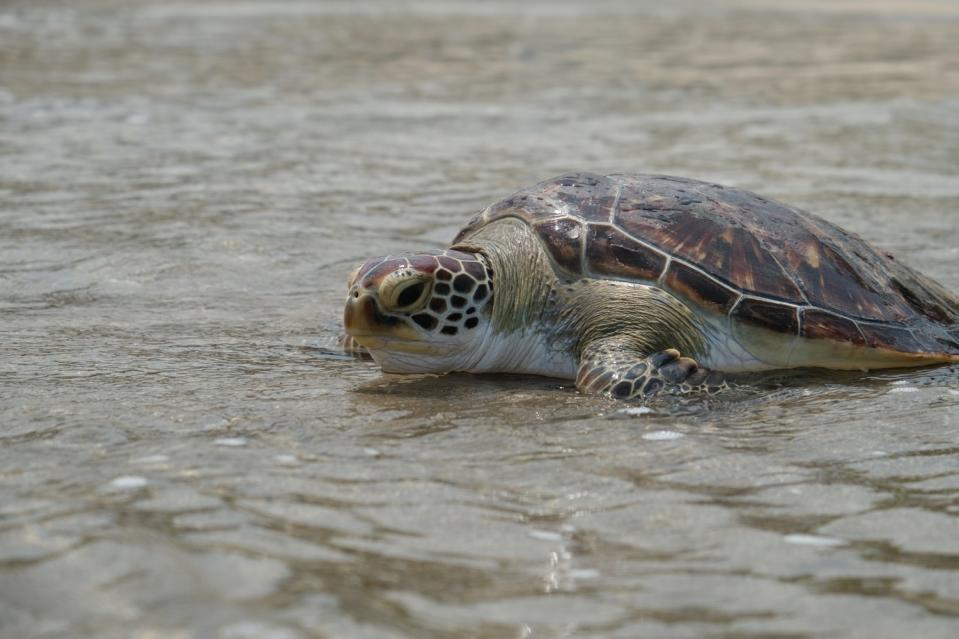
(359, 318)
(364, 322)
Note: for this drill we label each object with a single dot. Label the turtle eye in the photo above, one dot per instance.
(410, 294)
(406, 295)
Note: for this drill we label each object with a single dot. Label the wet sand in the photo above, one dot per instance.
(184, 188)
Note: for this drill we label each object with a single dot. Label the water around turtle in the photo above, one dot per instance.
(184, 189)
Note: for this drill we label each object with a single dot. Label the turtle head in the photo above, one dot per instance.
(420, 313)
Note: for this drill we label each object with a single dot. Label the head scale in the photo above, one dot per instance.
(422, 312)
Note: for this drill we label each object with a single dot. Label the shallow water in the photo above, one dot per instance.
(184, 188)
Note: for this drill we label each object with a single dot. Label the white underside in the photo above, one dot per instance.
(524, 352)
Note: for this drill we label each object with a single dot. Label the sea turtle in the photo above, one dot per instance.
(636, 284)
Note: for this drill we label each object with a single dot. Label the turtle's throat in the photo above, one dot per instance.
(529, 352)
(522, 274)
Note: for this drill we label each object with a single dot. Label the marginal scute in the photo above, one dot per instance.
(938, 341)
(926, 298)
(949, 344)
(609, 252)
(818, 324)
(699, 289)
(768, 315)
(891, 338)
(563, 238)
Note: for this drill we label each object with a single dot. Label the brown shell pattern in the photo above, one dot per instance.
(734, 252)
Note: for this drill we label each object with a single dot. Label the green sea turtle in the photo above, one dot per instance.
(637, 284)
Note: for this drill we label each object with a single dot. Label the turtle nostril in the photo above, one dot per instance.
(411, 294)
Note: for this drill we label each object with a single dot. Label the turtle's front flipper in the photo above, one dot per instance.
(617, 371)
